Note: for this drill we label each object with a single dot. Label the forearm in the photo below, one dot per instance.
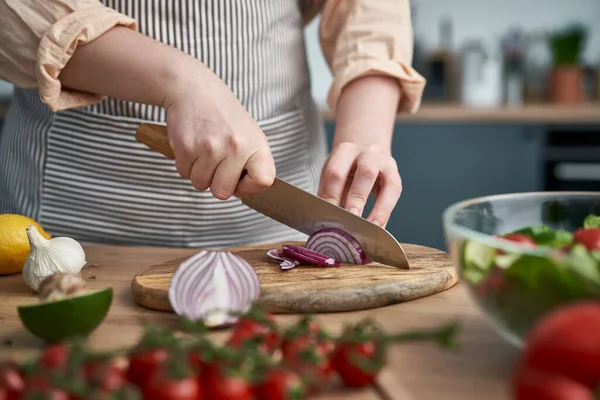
(366, 112)
(127, 65)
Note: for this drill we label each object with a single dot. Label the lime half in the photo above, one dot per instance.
(74, 316)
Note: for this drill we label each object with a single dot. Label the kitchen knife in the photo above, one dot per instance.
(301, 210)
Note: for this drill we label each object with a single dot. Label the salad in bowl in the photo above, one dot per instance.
(524, 255)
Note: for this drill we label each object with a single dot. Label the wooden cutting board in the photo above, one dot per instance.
(318, 289)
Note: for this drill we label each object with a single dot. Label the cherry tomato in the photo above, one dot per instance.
(12, 382)
(520, 238)
(565, 343)
(279, 384)
(291, 349)
(346, 360)
(161, 387)
(46, 394)
(531, 384)
(54, 356)
(589, 237)
(311, 360)
(248, 328)
(221, 386)
(494, 282)
(105, 375)
(144, 362)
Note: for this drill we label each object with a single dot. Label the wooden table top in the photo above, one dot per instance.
(479, 369)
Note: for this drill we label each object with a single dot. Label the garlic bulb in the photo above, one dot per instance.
(49, 257)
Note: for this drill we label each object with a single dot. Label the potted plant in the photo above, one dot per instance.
(566, 76)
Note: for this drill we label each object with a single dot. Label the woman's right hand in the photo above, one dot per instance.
(213, 137)
(215, 140)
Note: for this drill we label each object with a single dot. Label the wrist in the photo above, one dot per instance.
(180, 75)
(366, 112)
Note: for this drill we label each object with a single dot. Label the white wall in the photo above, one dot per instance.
(485, 19)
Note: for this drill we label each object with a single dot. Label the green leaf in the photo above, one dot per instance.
(474, 275)
(567, 45)
(528, 270)
(543, 235)
(591, 221)
(583, 263)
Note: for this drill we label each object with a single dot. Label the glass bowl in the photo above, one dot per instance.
(514, 284)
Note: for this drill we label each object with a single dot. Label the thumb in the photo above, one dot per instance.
(260, 174)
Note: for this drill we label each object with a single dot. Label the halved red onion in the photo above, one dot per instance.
(337, 244)
(213, 285)
(310, 256)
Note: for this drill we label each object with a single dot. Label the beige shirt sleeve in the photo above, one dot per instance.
(37, 39)
(367, 37)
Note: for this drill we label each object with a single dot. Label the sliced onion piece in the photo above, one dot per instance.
(273, 254)
(310, 256)
(213, 286)
(337, 244)
(288, 264)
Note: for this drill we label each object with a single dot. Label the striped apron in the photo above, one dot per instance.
(81, 173)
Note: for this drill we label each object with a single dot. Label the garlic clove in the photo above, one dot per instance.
(49, 257)
(61, 285)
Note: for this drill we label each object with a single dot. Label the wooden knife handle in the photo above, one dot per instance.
(155, 137)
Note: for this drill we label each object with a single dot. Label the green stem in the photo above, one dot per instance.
(444, 336)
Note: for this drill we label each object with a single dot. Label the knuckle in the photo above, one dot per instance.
(333, 175)
(367, 171)
(396, 185)
(208, 145)
(356, 198)
(384, 211)
(199, 181)
(199, 186)
(220, 194)
(327, 195)
(234, 144)
(264, 181)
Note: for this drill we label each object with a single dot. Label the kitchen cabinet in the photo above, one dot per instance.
(444, 163)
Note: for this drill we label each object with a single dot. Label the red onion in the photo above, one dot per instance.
(284, 263)
(288, 264)
(337, 244)
(273, 254)
(310, 256)
(213, 285)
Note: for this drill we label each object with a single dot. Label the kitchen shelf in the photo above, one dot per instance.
(585, 113)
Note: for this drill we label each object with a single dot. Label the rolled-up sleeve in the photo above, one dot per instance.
(38, 38)
(370, 37)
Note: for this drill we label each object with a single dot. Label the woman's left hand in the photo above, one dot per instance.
(354, 171)
(361, 162)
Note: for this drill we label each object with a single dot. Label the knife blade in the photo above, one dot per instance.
(301, 210)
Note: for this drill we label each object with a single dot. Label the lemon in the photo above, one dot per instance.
(14, 246)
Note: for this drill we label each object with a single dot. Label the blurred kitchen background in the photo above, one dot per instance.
(512, 104)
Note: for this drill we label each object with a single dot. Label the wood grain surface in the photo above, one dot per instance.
(479, 369)
(318, 289)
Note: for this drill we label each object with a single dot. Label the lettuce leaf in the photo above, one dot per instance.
(543, 235)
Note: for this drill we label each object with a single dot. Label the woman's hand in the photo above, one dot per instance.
(361, 162)
(215, 140)
(213, 137)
